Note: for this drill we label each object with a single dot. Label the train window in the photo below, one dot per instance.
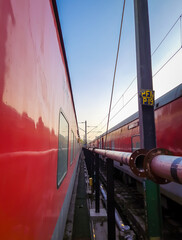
(112, 145)
(135, 142)
(75, 147)
(62, 149)
(157, 105)
(102, 145)
(72, 146)
(133, 125)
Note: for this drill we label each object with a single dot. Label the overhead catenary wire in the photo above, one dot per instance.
(181, 29)
(179, 19)
(121, 108)
(152, 76)
(167, 62)
(115, 69)
(124, 105)
(155, 50)
(124, 93)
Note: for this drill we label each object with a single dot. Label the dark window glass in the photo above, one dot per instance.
(75, 147)
(72, 146)
(63, 149)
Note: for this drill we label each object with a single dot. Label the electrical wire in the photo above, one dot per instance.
(179, 18)
(121, 108)
(124, 93)
(115, 70)
(166, 35)
(181, 30)
(167, 62)
(124, 106)
(108, 115)
(136, 93)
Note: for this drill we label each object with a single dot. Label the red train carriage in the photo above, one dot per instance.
(168, 115)
(39, 147)
(168, 121)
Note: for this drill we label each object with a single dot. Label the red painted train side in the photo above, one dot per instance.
(34, 88)
(168, 122)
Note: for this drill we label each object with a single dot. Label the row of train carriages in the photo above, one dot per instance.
(125, 137)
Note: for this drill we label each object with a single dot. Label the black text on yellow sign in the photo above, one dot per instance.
(147, 97)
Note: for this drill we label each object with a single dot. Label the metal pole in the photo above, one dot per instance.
(97, 185)
(110, 201)
(146, 112)
(85, 133)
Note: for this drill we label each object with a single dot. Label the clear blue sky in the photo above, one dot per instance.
(91, 31)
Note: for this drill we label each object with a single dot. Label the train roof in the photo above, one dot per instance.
(65, 58)
(163, 100)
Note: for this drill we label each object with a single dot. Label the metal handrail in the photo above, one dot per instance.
(158, 165)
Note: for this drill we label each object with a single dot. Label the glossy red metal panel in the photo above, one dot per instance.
(122, 138)
(168, 130)
(169, 126)
(33, 87)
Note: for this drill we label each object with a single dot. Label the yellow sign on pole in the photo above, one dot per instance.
(147, 97)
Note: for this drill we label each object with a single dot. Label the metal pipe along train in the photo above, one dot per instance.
(125, 137)
(39, 147)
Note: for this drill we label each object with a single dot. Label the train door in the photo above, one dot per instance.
(112, 145)
(102, 143)
(135, 142)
